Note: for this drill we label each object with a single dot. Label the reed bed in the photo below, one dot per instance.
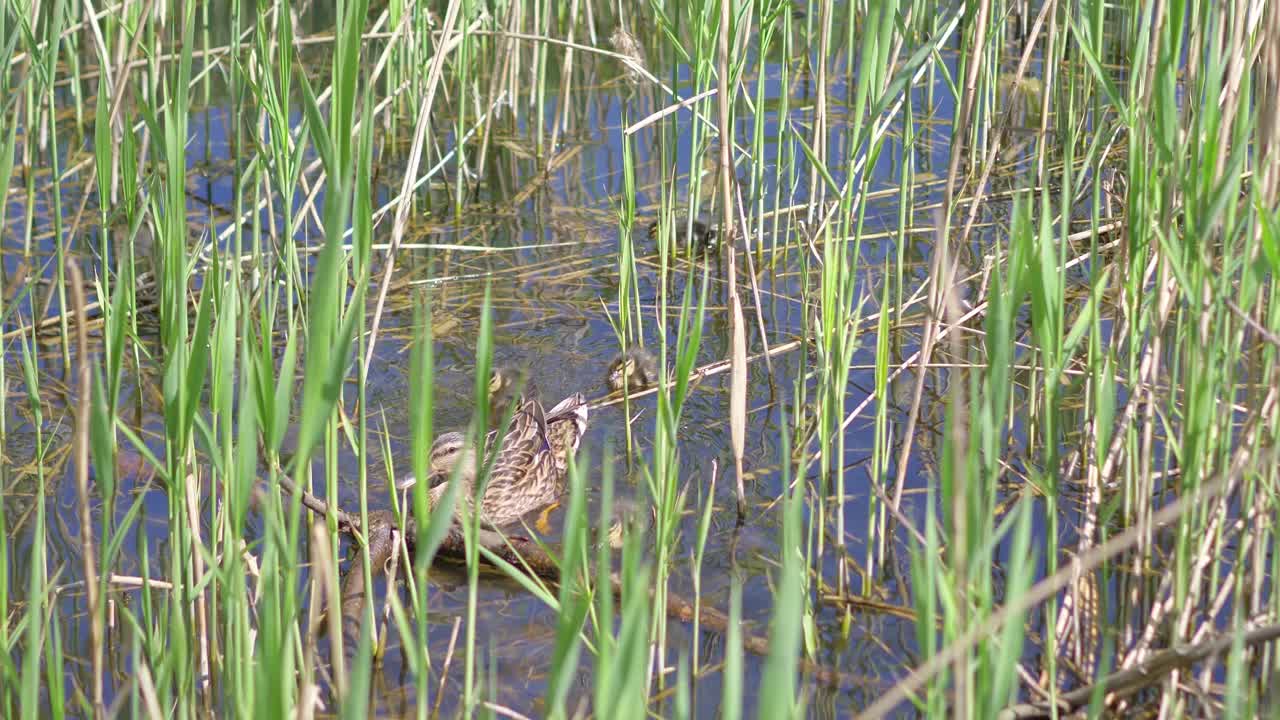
(964, 319)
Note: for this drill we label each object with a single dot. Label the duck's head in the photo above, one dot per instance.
(448, 450)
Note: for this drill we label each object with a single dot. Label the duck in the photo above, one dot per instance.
(530, 467)
(633, 369)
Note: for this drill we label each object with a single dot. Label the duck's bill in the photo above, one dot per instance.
(409, 481)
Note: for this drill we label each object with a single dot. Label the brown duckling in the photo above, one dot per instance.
(634, 369)
(627, 515)
(503, 383)
(700, 236)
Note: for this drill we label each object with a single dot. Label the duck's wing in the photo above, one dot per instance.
(566, 424)
(518, 478)
(540, 424)
(521, 446)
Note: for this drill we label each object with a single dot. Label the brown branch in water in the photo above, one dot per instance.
(1144, 674)
(520, 553)
(347, 523)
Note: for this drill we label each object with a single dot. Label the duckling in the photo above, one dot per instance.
(528, 472)
(502, 393)
(701, 236)
(627, 515)
(502, 388)
(633, 369)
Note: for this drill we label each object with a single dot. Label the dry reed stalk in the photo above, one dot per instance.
(147, 689)
(324, 576)
(932, 335)
(562, 112)
(1268, 99)
(1076, 629)
(411, 172)
(200, 603)
(1131, 680)
(84, 392)
(960, 130)
(989, 162)
(964, 118)
(657, 115)
(1206, 551)
(738, 357)
(124, 581)
(950, 311)
(448, 661)
(496, 94)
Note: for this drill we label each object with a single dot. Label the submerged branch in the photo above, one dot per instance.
(519, 553)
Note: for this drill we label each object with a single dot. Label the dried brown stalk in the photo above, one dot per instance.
(87, 553)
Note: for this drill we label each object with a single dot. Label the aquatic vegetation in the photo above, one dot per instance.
(950, 343)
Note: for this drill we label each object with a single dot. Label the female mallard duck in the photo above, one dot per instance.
(529, 470)
(635, 369)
